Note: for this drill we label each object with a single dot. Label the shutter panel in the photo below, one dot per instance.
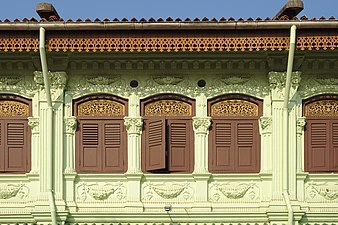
(2, 147)
(318, 145)
(90, 155)
(246, 149)
(222, 146)
(155, 144)
(16, 146)
(179, 148)
(335, 145)
(114, 146)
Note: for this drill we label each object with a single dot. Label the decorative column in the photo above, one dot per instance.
(58, 82)
(134, 124)
(301, 175)
(201, 124)
(277, 86)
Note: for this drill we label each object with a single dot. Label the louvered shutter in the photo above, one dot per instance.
(318, 145)
(2, 147)
(16, 146)
(335, 146)
(114, 146)
(247, 146)
(155, 144)
(222, 146)
(89, 152)
(179, 145)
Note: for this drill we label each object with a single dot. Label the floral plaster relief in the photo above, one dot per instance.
(101, 192)
(229, 191)
(168, 191)
(8, 191)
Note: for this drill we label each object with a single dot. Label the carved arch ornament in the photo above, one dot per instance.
(314, 86)
(100, 106)
(16, 106)
(321, 106)
(168, 105)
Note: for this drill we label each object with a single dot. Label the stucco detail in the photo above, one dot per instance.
(201, 125)
(18, 85)
(168, 191)
(133, 124)
(232, 191)
(168, 80)
(34, 123)
(101, 191)
(8, 191)
(312, 86)
(319, 191)
(265, 124)
(102, 80)
(58, 80)
(301, 122)
(70, 123)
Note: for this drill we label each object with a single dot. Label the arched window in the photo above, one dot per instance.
(101, 136)
(234, 143)
(15, 134)
(167, 139)
(321, 133)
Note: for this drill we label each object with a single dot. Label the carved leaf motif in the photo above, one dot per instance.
(235, 80)
(168, 80)
(102, 80)
(170, 190)
(100, 191)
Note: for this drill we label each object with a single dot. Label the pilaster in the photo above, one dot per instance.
(57, 84)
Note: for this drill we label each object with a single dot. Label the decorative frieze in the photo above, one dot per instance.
(101, 191)
(313, 85)
(102, 80)
(235, 80)
(10, 80)
(220, 192)
(167, 191)
(168, 80)
(8, 191)
(324, 190)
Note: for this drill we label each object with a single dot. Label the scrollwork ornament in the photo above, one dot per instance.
(201, 124)
(34, 123)
(168, 190)
(235, 80)
(101, 192)
(70, 123)
(133, 124)
(101, 80)
(10, 80)
(8, 191)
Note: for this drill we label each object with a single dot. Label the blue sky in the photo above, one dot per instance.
(101, 9)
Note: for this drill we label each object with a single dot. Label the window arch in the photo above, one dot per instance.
(321, 133)
(101, 136)
(234, 143)
(15, 134)
(167, 139)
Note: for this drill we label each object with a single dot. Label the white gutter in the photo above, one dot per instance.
(49, 133)
(228, 25)
(286, 125)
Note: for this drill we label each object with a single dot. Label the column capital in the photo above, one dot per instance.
(70, 123)
(133, 124)
(301, 122)
(34, 123)
(201, 124)
(265, 123)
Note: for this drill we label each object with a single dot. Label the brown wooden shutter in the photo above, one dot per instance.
(222, 146)
(2, 147)
(16, 146)
(246, 147)
(113, 146)
(89, 154)
(155, 144)
(318, 145)
(335, 146)
(179, 147)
